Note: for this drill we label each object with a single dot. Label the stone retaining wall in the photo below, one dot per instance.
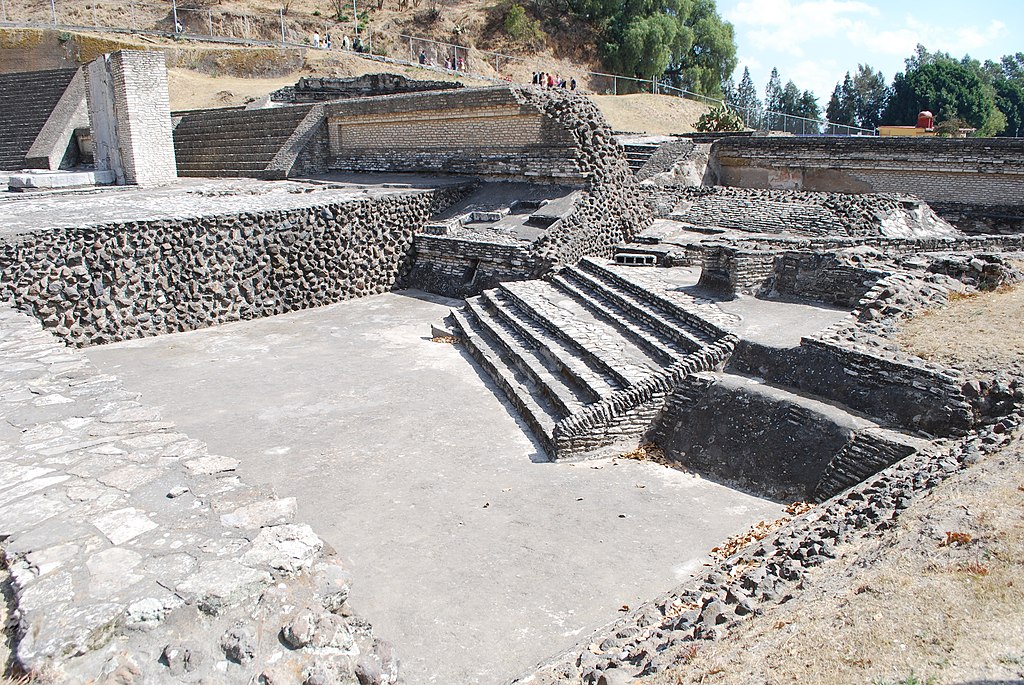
(460, 267)
(821, 277)
(811, 214)
(972, 174)
(490, 132)
(113, 282)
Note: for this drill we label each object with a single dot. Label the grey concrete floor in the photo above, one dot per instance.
(475, 557)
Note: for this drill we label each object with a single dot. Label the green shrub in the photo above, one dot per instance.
(522, 29)
(719, 119)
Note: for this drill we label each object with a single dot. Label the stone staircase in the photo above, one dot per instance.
(26, 101)
(235, 142)
(638, 154)
(586, 361)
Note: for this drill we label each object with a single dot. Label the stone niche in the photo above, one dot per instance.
(130, 112)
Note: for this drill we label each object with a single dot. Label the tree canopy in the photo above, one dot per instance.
(685, 42)
(949, 88)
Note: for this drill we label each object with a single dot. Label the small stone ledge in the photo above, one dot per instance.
(137, 557)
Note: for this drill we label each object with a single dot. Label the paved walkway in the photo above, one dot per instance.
(473, 557)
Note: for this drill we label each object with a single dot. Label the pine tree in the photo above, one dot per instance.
(773, 100)
(748, 106)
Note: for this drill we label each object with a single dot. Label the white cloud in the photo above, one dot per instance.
(902, 40)
(787, 26)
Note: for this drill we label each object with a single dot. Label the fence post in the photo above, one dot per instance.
(615, 85)
(280, 13)
(131, 14)
(53, 11)
(355, 20)
(654, 86)
(209, 20)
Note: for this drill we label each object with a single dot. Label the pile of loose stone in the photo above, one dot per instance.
(135, 556)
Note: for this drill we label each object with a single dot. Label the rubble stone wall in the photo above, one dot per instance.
(115, 282)
(461, 268)
(822, 277)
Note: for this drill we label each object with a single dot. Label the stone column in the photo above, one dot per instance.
(130, 113)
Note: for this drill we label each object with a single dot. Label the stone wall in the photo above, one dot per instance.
(769, 440)
(617, 420)
(612, 210)
(896, 390)
(608, 211)
(459, 267)
(822, 277)
(320, 89)
(489, 132)
(973, 173)
(811, 214)
(130, 113)
(114, 282)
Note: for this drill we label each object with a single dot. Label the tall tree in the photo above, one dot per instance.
(685, 42)
(842, 108)
(870, 96)
(773, 99)
(747, 105)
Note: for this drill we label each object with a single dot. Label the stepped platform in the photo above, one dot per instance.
(589, 355)
(238, 142)
(26, 101)
(585, 357)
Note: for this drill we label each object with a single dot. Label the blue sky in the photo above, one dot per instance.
(815, 42)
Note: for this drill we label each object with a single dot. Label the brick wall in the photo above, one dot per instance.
(479, 132)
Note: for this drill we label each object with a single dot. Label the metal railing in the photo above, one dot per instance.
(288, 29)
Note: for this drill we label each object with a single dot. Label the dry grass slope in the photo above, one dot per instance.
(937, 600)
(980, 334)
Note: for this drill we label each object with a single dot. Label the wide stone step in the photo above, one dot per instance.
(580, 291)
(242, 128)
(704, 330)
(564, 357)
(605, 346)
(538, 415)
(232, 173)
(232, 158)
(659, 323)
(526, 359)
(197, 146)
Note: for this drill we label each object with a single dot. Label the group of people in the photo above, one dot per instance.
(546, 80)
(346, 44)
(450, 63)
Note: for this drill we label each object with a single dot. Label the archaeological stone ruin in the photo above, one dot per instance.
(728, 303)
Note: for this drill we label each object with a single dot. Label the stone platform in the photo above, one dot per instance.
(474, 559)
(189, 198)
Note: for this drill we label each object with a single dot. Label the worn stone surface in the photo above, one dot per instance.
(107, 571)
